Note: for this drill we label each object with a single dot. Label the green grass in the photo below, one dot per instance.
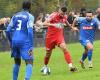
(59, 68)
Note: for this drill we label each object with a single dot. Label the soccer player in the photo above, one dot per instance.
(20, 35)
(87, 26)
(55, 37)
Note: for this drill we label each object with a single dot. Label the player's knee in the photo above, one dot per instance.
(63, 46)
(91, 47)
(29, 61)
(64, 49)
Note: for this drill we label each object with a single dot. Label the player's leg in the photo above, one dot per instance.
(27, 55)
(16, 68)
(45, 69)
(17, 59)
(84, 56)
(47, 57)
(49, 47)
(29, 65)
(67, 56)
(90, 50)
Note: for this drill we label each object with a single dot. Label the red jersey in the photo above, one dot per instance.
(55, 34)
(53, 30)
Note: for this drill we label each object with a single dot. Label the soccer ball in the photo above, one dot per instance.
(45, 71)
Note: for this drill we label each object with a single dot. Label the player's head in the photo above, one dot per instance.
(89, 15)
(62, 11)
(26, 5)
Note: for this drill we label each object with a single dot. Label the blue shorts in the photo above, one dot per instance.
(21, 50)
(84, 42)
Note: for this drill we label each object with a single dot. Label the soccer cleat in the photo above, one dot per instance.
(90, 65)
(73, 69)
(45, 70)
(42, 69)
(82, 64)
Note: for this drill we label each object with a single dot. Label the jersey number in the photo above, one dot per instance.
(19, 25)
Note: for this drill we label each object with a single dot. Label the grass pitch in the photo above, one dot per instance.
(59, 68)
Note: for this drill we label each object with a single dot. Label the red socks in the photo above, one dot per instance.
(67, 57)
(46, 60)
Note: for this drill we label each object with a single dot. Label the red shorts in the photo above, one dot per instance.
(51, 42)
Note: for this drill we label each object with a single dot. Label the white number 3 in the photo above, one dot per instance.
(19, 25)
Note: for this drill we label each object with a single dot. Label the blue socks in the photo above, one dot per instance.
(27, 74)
(84, 56)
(15, 71)
(28, 71)
(89, 55)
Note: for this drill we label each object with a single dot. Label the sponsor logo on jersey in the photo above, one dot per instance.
(87, 27)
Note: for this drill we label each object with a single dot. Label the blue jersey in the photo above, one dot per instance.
(21, 26)
(79, 19)
(87, 29)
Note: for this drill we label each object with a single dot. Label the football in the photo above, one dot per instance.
(45, 71)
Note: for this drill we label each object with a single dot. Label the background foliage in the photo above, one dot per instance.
(9, 7)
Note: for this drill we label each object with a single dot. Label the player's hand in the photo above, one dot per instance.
(75, 29)
(39, 24)
(30, 52)
(37, 29)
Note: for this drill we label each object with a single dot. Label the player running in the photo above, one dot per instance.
(20, 35)
(55, 37)
(87, 30)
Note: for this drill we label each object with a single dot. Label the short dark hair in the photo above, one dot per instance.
(89, 11)
(26, 5)
(64, 9)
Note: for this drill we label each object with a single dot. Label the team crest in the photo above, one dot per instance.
(91, 24)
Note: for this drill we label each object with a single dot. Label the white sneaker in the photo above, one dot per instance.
(90, 65)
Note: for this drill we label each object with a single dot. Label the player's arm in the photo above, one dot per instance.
(9, 30)
(67, 24)
(47, 23)
(38, 25)
(73, 24)
(30, 29)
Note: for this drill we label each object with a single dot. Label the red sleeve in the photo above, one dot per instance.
(66, 17)
(52, 16)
